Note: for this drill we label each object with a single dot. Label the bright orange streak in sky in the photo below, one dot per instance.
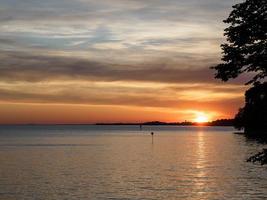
(27, 113)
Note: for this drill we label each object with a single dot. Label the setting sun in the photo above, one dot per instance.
(201, 118)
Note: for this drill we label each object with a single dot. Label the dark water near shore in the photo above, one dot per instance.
(121, 162)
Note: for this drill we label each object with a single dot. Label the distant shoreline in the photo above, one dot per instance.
(220, 122)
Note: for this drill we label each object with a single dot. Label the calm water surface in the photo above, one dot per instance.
(121, 162)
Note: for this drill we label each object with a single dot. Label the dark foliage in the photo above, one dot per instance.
(246, 52)
(246, 46)
(255, 110)
(239, 119)
(221, 122)
(260, 157)
(253, 117)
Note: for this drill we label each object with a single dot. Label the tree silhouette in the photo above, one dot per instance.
(253, 117)
(246, 46)
(246, 52)
(239, 119)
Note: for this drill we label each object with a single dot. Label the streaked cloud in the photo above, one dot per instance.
(136, 53)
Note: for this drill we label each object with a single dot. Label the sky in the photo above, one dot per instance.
(88, 61)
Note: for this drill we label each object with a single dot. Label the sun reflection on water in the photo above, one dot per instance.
(200, 179)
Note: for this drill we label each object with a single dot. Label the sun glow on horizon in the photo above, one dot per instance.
(201, 118)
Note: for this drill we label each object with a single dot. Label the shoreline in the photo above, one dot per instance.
(219, 122)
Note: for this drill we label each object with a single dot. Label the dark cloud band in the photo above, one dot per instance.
(17, 66)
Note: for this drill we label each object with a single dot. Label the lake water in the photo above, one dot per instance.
(122, 162)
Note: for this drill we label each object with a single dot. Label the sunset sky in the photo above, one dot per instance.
(87, 61)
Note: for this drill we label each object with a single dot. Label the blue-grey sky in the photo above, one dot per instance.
(141, 54)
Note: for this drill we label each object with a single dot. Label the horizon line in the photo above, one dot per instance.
(188, 123)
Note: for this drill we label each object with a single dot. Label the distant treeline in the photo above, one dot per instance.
(219, 122)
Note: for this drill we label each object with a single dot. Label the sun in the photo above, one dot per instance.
(201, 118)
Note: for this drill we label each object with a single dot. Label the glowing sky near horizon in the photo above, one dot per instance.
(87, 61)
